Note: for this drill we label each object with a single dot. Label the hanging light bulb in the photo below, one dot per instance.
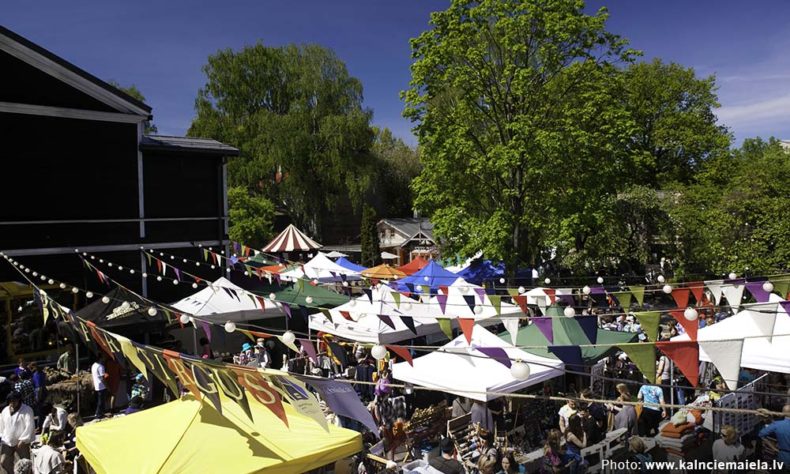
(690, 314)
(768, 287)
(345, 283)
(35, 274)
(131, 271)
(309, 300)
(184, 319)
(230, 326)
(569, 311)
(661, 279)
(175, 282)
(408, 388)
(43, 278)
(407, 306)
(213, 267)
(109, 264)
(502, 281)
(120, 268)
(378, 352)
(521, 290)
(586, 290)
(519, 370)
(51, 281)
(667, 289)
(600, 280)
(272, 297)
(62, 286)
(75, 290)
(105, 299)
(733, 275)
(478, 309)
(145, 275)
(152, 311)
(159, 278)
(89, 294)
(426, 278)
(194, 285)
(547, 281)
(288, 337)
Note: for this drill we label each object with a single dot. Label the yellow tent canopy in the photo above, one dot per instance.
(189, 436)
(383, 272)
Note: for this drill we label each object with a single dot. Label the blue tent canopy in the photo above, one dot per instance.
(432, 275)
(481, 271)
(350, 265)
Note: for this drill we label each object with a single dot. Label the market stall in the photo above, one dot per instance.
(322, 269)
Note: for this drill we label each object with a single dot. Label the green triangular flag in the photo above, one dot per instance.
(426, 290)
(396, 297)
(300, 284)
(327, 314)
(782, 287)
(512, 292)
(644, 356)
(649, 321)
(148, 256)
(639, 293)
(205, 255)
(624, 297)
(496, 302)
(447, 327)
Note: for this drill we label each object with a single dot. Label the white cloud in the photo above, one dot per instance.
(776, 109)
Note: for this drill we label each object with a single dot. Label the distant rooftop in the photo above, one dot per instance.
(410, 226)
(207, 146)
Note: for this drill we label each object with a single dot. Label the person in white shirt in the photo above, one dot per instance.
(565, 413)
(17, 430)
(55, 420)
(727, 448)
(100, 376)
(48, 459)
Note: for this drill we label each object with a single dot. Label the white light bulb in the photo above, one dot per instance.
(197, 264)
(213, 267)
(120, 267)
(101, 260)
(345, 283)
(51, 281)
(175, 282)
(569, 311)
(272, 296)
(230, 326)
(158, 278)
(194, 285)
(43, 278)
(661, 279)
(185, 260)
(690, 314)
(27, 270)
(89, 294)
(75, 290)
(151, 311)
(246, 274)
(733, 275)
(502, 281)
(478, 309)
(586, 290)
(768, 287)
(35, 274)
(519, 370)
(184, 319)
(667, 289)
(131, 271)
(227, 269)
(105, 299)
(600, 280)
(145, 275)
(309, 300)
(547, 281)
(407, 306)
(378, 352)
(408, 388)
(521, 289)
(426, 278)
(62, 286)
(288, 337)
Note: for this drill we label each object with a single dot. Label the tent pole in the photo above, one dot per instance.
(77, 371)
(671, 383)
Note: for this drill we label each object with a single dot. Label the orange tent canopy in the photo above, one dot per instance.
(275, 268)
(383, 272)
(414, 266)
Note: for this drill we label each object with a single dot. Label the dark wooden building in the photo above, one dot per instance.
(78, 173)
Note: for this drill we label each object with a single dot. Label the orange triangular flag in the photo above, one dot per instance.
(521, 300)
(403, 352)
(691, 327)
(697, 289)
(346, 315)
(467, 325)
(685, 354)
(552, 294)
(681, 297)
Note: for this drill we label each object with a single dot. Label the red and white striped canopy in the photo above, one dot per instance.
(291, 240)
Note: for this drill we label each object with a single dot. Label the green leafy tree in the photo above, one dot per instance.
(395, 167)
(296, 116)
(251, 217)
(676, 128)
(518, 125)
(369, 237)
(148, 128)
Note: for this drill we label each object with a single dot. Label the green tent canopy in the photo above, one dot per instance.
(259, 260)
(297, 293)
(568, 332)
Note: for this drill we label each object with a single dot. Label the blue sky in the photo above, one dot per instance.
(161, 46)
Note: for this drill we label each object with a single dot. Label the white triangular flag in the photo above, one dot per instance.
(726, 356)
(511, 326)
(733, 293)
(290, 345)
(764, 318)
(715, 288)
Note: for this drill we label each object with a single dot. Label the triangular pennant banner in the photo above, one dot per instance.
(685, 355)
(726, 356)
(496, 302)
(386, 320)
(521, 301)
(681, 297)
(649, 321)
(346, 315)
(402, 352)
(470, 301)
(288, 344)
(481, 292)
(467, 326)
(691, 327)
(785, 306)
(444, 289)
(513, 292)
(545, 327)
(697, 289)
(409, 322)
(756, 290)
(623, 298)
(446, 326)
(644, 356)
(309, 349)
(566, 295)
(733, 292)
(396, 298)
(442, 299)
(287, 310)
(715, 287)
(550, 292)
(206, 329)
(570, 355)
(511, 326)
(782, 287)
(639, 293)
(496, 353)
(369, 294)
(589, 325)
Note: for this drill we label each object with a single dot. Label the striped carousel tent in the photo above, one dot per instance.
(291, 240)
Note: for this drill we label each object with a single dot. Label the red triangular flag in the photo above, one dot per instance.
(697, 289)
(681, 297)
(261, 301)
(691, 327)
(467, 325)
(552, 294)
(197, 279)
(521, 301)
(403, 352)
(685, 354)
(346, 315)
(445, 289)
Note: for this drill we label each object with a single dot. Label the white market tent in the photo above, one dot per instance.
(321, 268)
(366, 326)
(761, 353)
(460, 369)
(224, 301)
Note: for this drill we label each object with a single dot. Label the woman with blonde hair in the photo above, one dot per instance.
(727, 448)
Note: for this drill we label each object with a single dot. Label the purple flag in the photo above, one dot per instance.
(343, 400)
(287, 309)
(309, 349)
(756, 289)
(567, 299)
(496, 353)
(442, 301)
(570, 355)
(178, 273)
(207, 329)
(589, 325)
(409, 322)
(386, 320)
(481, 292)
(785, 306)
(544, 324)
